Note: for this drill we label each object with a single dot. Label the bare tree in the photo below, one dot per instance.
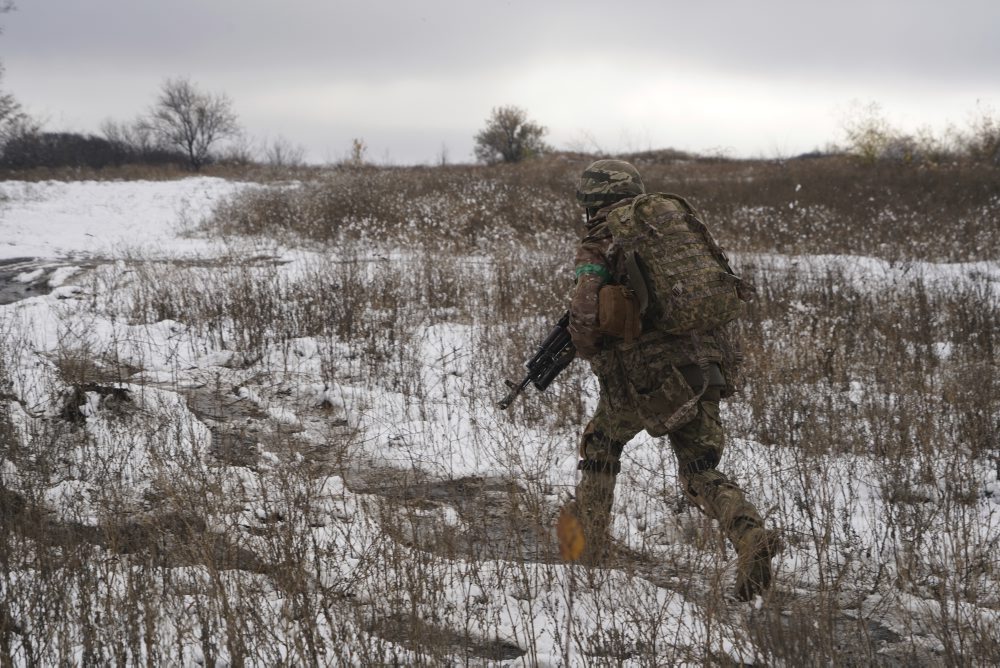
(509, 137)
(241, 149)
(867, 130)
(191, 120)
(14, 122)
(283, 153)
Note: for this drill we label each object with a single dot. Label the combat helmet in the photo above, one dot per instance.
(606, 181)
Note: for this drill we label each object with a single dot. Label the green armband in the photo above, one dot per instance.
(593, 269)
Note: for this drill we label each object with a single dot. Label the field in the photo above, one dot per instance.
(254, 422)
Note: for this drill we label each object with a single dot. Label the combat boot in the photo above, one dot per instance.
(755, 549)
(594, 496)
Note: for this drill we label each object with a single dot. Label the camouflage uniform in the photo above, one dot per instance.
(664, 384)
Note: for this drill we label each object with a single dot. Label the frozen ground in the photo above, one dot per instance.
(57, 220)
(410, 469)
(51, 230)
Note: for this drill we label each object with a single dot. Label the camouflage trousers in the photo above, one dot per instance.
(698, 445)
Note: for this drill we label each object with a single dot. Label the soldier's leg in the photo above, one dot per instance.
(600, 452)
(699, 445)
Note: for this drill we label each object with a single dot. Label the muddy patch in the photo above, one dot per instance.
(444, 644)
(471, 517)
(24, 277)
(167, 539)
(797, 627)
(241, 426)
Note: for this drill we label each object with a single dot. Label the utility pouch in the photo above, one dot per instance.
(618, 313)
(669, 406)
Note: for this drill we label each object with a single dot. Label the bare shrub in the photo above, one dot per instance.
(461, 208)
(509, 137)
(800, 206)
(982, 138)
(281, 152)
(356, 155)
(868, 132)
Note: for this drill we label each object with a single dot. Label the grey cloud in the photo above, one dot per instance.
(384, 40)
(470, 56)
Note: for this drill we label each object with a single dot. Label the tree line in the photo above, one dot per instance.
(191, 127)
(185, 126)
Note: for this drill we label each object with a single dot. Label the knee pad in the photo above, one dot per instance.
(602, 442)
(705, 463)
(705, 479)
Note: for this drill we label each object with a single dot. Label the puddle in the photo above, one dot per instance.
(12, 290)
(25, 277)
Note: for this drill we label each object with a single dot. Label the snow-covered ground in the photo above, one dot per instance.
(155, 403)
(57, 219)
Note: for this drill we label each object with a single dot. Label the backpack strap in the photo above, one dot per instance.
(636, 276)
(686, 205)
(637, 281)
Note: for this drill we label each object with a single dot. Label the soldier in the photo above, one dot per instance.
(665, 382)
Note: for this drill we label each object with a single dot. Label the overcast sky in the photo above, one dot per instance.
(763, 78)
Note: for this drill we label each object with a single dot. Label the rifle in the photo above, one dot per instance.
(554, 355)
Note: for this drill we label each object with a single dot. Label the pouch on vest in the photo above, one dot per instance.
(668, 407)
(618, 313)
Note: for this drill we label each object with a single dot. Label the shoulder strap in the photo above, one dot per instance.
(683, 202)
(636, 276)
(637, 201)
(637, 281)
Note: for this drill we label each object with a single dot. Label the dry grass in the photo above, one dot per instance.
(806, 206)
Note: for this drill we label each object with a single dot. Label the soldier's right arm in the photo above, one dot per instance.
(593, 271)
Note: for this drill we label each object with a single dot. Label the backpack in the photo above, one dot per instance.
(680, 275)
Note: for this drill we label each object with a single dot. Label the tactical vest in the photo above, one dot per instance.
(680, 275)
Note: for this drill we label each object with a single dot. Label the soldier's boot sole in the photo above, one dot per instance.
(756, 549)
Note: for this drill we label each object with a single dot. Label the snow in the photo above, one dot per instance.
(51, 219)
(868, 273)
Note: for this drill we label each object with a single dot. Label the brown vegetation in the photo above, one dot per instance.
(830, 205)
